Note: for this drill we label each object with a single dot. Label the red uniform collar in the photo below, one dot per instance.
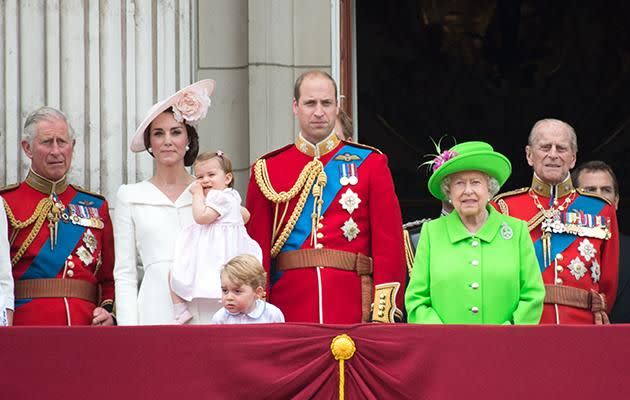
(317, 150)
(45, 185)
(557, 191)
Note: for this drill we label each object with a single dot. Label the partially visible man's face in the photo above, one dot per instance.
(551, 154)
(599, 182)
(316, 109)
(51, 150)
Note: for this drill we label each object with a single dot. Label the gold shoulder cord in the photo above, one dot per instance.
(312, 176)
(38, 217)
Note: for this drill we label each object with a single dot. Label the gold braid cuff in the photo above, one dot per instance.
(303, 185)
(38, 217)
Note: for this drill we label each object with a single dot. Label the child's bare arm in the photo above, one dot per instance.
(202, 214)
(245, 214)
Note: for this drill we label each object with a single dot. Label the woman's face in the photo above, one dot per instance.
(168, 139)
(469, 192)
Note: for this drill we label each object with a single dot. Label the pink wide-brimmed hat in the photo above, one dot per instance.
(190, 106)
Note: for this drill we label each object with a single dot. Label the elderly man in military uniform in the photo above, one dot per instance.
(326, 215)
(574, 231)
(61, 238)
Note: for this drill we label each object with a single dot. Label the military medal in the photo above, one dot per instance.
(350, 230)
(595, 271)
(349, 201)
(577, 268)
(348, 172)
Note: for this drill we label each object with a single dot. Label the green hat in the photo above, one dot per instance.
(468, 156)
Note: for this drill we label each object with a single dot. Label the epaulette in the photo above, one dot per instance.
(83, 190)
(364, 146)
(277, 151)
(591, 194)
(8, 188)
(510, 193)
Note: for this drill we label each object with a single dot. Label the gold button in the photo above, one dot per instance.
(319, 246)
(70, 273)
(70, 264)
(559, 256)
(322, 217)
(559, 268)
(320, 235)
(559, 281)
(320, 225)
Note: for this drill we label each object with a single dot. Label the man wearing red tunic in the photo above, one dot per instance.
(574, 232)
(326, 215)
(61, 237)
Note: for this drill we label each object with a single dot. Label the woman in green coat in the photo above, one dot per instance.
(474, 266)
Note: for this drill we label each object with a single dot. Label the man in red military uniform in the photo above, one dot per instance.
(574, 232)
(61, 237)
(326, 215)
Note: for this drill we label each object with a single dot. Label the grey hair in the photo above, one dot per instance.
(493, 185)
(572, 135)
(43, 114)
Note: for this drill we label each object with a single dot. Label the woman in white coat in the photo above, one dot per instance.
(6, 272)
(150, 214)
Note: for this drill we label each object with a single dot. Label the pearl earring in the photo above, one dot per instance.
(450, 201)
(150, 150)
(187, 147)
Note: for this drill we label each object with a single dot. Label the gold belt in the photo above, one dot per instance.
(344, 260)
(37, 288)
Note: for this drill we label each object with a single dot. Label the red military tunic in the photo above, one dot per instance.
(83, 250)
(579, 257)
(362, 216)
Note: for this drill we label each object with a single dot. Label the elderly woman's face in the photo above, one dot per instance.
(469, 192)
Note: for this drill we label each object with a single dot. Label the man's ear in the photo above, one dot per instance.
(528, 155)
(27, 149)
(295, 107)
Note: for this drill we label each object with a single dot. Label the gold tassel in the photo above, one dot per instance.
(342, 348)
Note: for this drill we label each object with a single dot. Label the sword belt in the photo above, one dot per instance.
(339, 259)
(37, 288)
(580, 298)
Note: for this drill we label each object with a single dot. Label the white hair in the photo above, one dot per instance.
(43, 114)
(493, 185)
(572, 135)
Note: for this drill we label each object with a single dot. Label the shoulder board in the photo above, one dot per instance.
(591, 194)
(82, 190)
(277, 151)
(510, 193)
(9, 188)
(364, 146)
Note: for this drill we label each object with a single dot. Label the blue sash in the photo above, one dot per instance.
(48, 263)
(303, 226)
(560, 241)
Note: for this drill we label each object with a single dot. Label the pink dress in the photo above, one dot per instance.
(201, 250)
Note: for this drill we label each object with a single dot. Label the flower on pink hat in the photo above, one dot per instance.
(191, 106)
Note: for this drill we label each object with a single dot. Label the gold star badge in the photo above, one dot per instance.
(350, 229)
(349, 201)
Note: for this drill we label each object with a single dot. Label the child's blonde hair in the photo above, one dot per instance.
(245, 270)
(224, 162)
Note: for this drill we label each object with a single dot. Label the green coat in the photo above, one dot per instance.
(491, 277)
